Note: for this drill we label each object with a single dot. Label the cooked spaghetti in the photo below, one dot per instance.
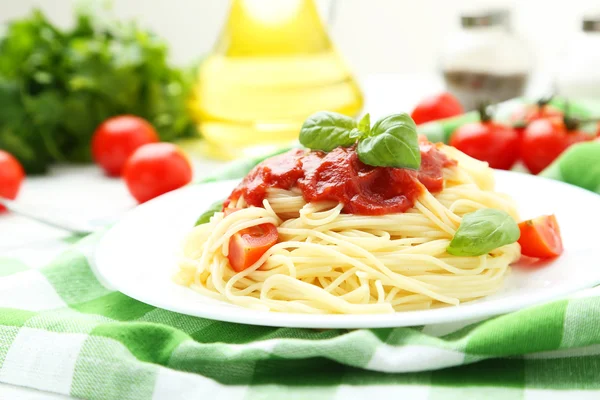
(340, 257)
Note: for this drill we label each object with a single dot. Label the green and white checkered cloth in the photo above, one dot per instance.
(63, 331)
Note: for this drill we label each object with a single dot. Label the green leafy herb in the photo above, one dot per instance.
(483, 231)
(207, 215)
(364, 125)
(392, 142)
(57, 86)
(327, 130)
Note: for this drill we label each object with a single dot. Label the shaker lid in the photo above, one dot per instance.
(479, 18)
(591, 23)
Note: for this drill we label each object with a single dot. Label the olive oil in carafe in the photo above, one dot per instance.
(272, 66)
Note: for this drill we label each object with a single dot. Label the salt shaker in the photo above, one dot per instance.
(485, 61)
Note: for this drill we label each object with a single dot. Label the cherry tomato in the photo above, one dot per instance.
(156, 168)
(488, 141)
(544, 140)
(540, 237)
(439, 106)
(248, 245)
(529, 113)
(117, 138)
(11, 176)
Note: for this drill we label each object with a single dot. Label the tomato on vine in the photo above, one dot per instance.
(489, 141)
(528, 113)
(545, 139)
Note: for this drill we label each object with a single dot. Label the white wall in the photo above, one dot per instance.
(375, 36)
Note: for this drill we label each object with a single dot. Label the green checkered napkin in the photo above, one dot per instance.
(62, 331)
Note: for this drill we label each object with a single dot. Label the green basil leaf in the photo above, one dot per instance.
(364, 125)
(392, 142)
(206, 216)
(483, 231)
(326, 130)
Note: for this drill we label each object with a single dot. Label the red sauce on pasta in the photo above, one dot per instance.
(340, 176)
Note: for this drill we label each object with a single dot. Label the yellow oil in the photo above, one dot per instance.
(272, 66)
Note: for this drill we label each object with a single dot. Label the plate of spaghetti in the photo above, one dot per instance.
(361, 227)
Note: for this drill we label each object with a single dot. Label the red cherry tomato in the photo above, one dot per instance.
(439, 106)
(544, 140)
(117, 138)
(247, 246)
(11, 176)
(156, 168)
(488, 141)
(540, 237)
(531, 112)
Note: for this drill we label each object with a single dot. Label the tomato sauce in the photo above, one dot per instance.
(340, 176)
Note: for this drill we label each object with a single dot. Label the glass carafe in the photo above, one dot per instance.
(272, 66)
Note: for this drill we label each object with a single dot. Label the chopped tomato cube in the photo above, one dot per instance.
(247, 246)
(540, 237)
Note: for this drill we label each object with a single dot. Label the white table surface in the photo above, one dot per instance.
(84, 191)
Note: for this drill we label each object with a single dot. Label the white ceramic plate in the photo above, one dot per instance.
(138, 257)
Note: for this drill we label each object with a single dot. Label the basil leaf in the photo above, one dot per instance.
(392, 142)
(327, 130)
(364, 125)
(214, 208)
(483, 231)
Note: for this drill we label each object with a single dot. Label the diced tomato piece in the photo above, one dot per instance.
(247, 246)
(540, 237)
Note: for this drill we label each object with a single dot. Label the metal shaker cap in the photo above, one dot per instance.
(591, 23)
(482, 18)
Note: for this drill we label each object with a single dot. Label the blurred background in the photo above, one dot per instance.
(248, 72)
(375, 36)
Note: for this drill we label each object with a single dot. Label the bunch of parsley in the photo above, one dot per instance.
(57, 86)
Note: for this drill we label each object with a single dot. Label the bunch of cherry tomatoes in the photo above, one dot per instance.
(537, 134)
(125, 146)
